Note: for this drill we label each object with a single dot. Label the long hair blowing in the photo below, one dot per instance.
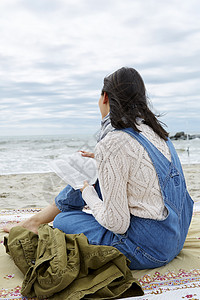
(128, 101)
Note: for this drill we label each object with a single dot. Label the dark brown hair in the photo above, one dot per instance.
(128, 101)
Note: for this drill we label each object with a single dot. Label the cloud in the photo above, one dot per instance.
(55, 54)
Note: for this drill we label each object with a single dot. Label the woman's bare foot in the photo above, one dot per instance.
(45, 216)
(29, 224)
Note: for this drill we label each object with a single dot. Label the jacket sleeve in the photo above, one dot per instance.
(113, 212)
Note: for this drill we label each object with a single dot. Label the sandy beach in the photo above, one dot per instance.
(39, 189)
(29, 190)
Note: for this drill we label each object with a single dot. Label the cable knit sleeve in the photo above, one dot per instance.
(113, 212)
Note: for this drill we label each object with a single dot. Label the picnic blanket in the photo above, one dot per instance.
(180, 279)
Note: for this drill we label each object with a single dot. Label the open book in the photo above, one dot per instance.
(75, 169)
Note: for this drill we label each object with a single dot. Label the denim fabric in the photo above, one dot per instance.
(64, 199)
(147, 243)
(70, 198)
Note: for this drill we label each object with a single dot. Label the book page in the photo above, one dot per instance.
(75, 169)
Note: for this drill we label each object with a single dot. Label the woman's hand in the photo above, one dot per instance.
(87, 154)
(84, 186)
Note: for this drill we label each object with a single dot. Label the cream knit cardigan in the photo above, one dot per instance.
(128, 181)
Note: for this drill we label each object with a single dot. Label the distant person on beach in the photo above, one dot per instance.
(140, 203)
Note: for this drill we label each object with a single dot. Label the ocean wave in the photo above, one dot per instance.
(33, 155)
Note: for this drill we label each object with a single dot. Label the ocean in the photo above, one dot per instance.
(33, 154)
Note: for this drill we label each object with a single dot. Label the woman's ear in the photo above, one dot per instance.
(105, 98)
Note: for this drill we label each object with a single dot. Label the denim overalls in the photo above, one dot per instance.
(147, 243)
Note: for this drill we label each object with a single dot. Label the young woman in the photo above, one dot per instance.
(140, 203)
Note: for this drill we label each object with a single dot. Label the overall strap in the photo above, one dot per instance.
(174, 156)
(158, 159)
(170, 174)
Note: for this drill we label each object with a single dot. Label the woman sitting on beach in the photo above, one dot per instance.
(140, 204)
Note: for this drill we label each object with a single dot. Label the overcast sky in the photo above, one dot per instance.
(54, 55)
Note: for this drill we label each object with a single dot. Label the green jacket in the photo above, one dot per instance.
(65, 266)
